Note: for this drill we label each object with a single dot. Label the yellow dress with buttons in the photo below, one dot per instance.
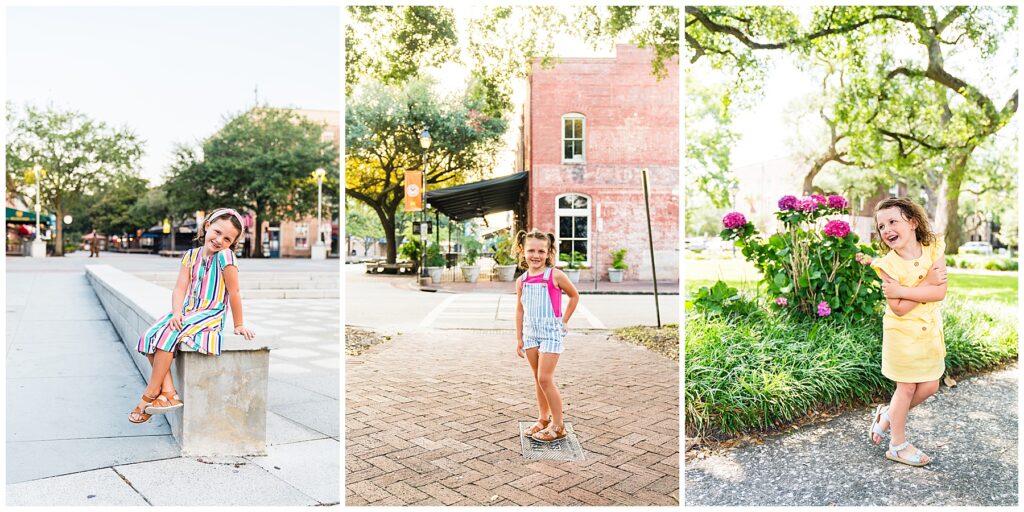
(913, 349)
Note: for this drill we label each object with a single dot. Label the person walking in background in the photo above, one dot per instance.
(207, 284)
(914, 283)
(94, 244)
(541, 327)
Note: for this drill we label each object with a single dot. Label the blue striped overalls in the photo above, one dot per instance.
(541, 328)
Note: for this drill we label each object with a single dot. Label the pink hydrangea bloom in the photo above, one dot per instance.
(788, 202)
(807, 204)
(824, 309)
(837, 228)
(818, 198)
(733, 220)
(781, 302)
(837, 202)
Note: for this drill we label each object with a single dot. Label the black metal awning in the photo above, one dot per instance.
(472, 200)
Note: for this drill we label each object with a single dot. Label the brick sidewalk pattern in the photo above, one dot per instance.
(431, 420)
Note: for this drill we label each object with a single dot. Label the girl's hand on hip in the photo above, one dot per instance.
(519, 349)
(565, 328)
(177, 320)
(245, 332)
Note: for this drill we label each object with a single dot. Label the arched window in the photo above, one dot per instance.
(572, 232)
(573, 126)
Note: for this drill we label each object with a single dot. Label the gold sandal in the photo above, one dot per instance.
(551, 434)
(534, 429)
(166, 402)
(141, 413)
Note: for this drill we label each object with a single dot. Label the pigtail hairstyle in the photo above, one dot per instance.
(216, 215)
(910, 211)
(520, 246)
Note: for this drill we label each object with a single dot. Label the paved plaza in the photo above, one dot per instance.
(431, 419)
(71, 384)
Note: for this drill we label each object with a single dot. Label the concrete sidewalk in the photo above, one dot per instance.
(431, 419)
(70, 386)
(970, 432)
(630, 287)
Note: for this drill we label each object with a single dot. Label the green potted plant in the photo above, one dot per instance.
(411, 250)
(618, 266)
(505, 262)
(470, 270)
(435, 262)
(573, 263)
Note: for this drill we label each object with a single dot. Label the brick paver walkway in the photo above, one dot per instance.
(431, 420)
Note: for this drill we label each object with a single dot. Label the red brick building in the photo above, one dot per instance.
(589, 126)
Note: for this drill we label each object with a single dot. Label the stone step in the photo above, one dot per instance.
(292, 294)
(256, 282)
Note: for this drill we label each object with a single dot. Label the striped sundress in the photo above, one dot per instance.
(206, 303)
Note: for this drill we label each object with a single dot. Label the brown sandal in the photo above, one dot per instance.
(537, 427)
(551, 434)
(141, 413)
(166, 402)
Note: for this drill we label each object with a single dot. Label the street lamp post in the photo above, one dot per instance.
(38, 247)
(425, 141)
(319, 251)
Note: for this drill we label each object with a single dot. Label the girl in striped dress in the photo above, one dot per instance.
(207, 284)
(541, 326)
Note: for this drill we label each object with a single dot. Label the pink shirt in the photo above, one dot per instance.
(553, 290)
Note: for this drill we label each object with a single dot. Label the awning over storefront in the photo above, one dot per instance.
(16, 216)
(472, 200)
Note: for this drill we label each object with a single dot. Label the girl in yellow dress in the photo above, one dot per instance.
(913, 272)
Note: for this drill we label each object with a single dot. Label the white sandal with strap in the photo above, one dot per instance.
(915, 460)
(876, 423)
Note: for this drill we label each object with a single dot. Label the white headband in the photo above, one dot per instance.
(218, 212)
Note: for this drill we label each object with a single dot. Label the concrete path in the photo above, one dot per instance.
(60, 346)
(431, 419)
(970, 432)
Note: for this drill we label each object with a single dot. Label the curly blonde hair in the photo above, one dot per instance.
(519, 249)
(910, 211)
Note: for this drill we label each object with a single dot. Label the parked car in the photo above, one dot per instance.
(976, 248)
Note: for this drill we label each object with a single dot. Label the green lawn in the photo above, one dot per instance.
(743, 276)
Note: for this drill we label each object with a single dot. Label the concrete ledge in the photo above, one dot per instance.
(225, 396)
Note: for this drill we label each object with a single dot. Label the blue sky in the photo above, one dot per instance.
(172, 74)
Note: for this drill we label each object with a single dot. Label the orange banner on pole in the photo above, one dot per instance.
(413, 191)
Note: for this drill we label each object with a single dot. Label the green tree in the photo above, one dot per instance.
(110, 210)
(382, 128)
(262, 161)
(77, 154)
(392, 44)
(909, 114)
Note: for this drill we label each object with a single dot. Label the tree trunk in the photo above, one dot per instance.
(954, 181)
(58, 246)
(388, 223)
(257, 238)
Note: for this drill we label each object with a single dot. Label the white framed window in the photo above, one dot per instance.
(573, 148)
(572, 227)
(302, 236)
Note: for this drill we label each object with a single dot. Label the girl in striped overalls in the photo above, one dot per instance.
(207, 283)
(541, 325)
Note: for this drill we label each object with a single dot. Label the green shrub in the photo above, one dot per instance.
(721, 299)
(950, 261)
(472, 251)
(762, 370)
(1001, 264)
(503, 251)
(810, 263)
(411, 250)
(619, 259)
(434, 256)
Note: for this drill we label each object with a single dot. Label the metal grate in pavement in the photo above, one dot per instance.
(567, 448)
